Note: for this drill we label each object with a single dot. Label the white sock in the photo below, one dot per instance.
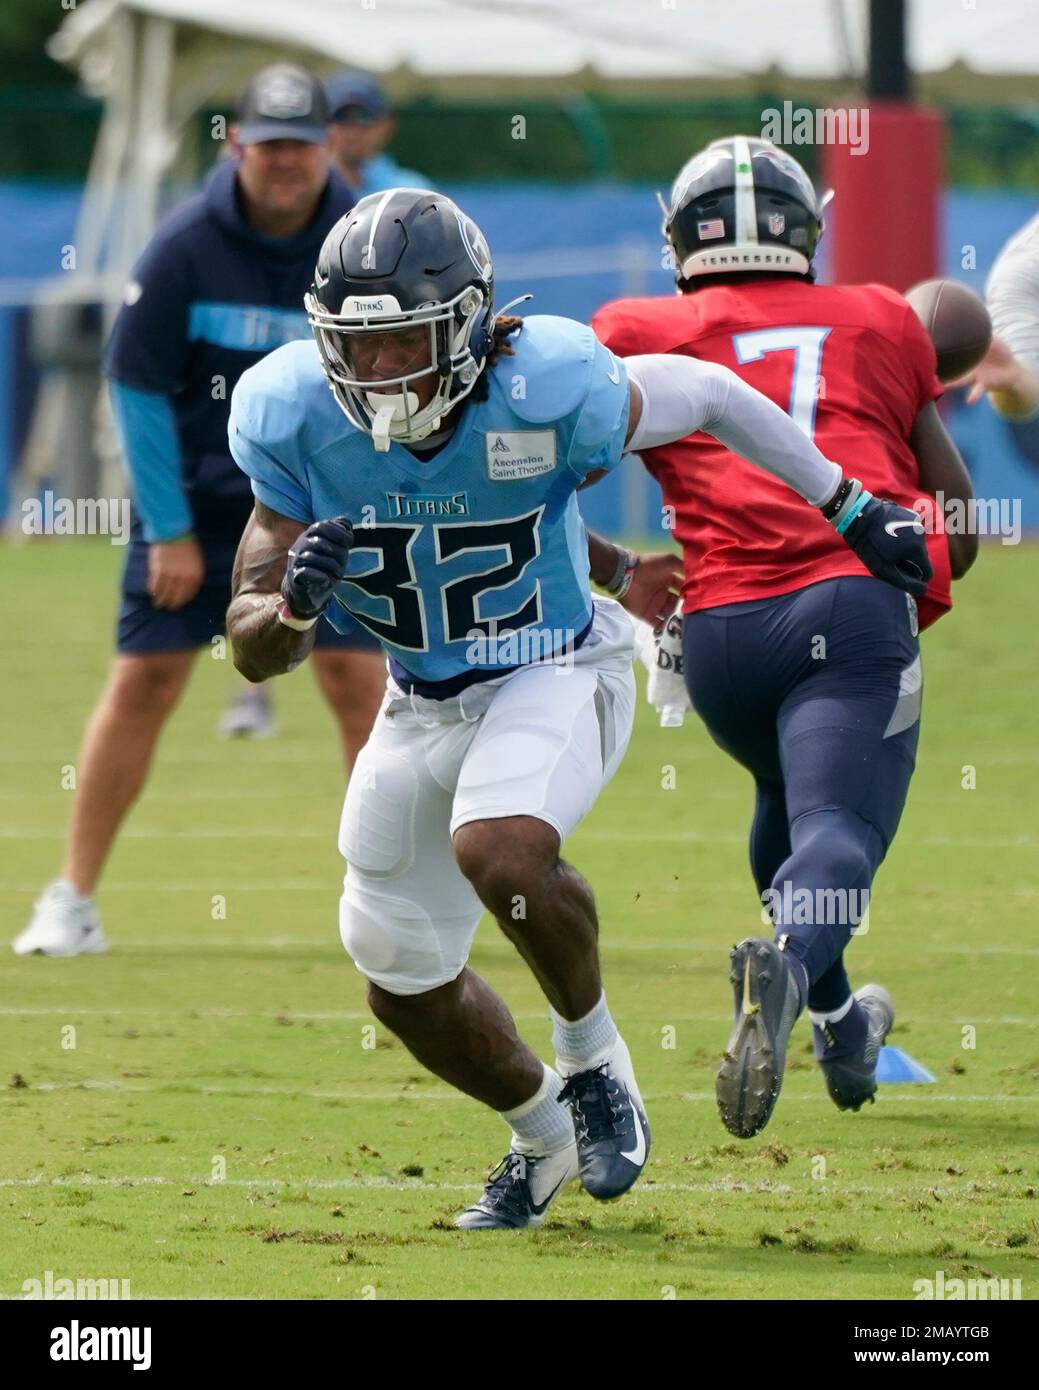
(820, 1020)
(64, 883)
(541, 1125)
(583, 1042)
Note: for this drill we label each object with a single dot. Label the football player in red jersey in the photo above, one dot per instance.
(804, 667)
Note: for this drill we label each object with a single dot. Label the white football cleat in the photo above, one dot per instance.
(62, 924)
(520, 1190)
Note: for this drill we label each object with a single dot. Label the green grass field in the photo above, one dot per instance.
(238, 1045)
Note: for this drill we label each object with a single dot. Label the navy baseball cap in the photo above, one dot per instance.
(283, 102)
(355, 89)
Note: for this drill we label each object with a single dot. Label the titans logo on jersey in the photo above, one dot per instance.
(458, 555)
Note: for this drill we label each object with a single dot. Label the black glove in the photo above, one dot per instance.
(887, 538)
(316, 564)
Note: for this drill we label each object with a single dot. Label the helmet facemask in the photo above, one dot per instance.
(385, 406)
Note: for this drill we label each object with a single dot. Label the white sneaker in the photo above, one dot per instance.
(520, 1190)
(249, 715)
(63, 924)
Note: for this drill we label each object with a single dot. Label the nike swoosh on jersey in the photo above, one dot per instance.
(615, 372)
(892, 527)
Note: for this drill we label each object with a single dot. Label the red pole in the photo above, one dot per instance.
(885, 215)
(886, 212)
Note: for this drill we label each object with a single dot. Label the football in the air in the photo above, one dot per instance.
(958, 324)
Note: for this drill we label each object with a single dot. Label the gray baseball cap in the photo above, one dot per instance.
(283, 102)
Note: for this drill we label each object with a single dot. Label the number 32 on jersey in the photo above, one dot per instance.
(394, 581)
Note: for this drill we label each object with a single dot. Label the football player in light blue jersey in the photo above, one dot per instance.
(431, 494)
(491, 516)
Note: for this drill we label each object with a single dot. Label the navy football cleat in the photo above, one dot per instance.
(851, 1079)
(519, 1191)
(610, 1124)
(767, 1002)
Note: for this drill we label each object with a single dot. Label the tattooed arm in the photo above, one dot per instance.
(261, 644)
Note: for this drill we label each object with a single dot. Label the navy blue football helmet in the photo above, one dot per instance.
(742, 204)
(403, 261)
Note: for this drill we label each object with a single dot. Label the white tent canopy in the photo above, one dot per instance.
(648, 39)
(156, 62)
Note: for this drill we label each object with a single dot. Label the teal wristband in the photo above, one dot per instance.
(853, 511)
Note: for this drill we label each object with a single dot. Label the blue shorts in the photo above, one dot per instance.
(817, 693)
(144, 628)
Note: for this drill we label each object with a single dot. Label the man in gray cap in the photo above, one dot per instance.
(362, 126)
(220, 285)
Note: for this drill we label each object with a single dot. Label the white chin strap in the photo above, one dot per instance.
(390, 409)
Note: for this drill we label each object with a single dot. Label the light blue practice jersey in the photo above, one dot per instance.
(476, 558)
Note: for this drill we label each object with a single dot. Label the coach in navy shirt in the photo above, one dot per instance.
(219, 286)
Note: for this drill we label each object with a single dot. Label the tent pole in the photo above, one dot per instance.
(153, 148)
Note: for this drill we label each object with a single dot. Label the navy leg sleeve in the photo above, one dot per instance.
(769, 832)
(848, 733)
(826, 682)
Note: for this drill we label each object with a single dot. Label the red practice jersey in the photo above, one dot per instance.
(852, 364)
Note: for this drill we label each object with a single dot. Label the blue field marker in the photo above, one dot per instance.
(897, 1068)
